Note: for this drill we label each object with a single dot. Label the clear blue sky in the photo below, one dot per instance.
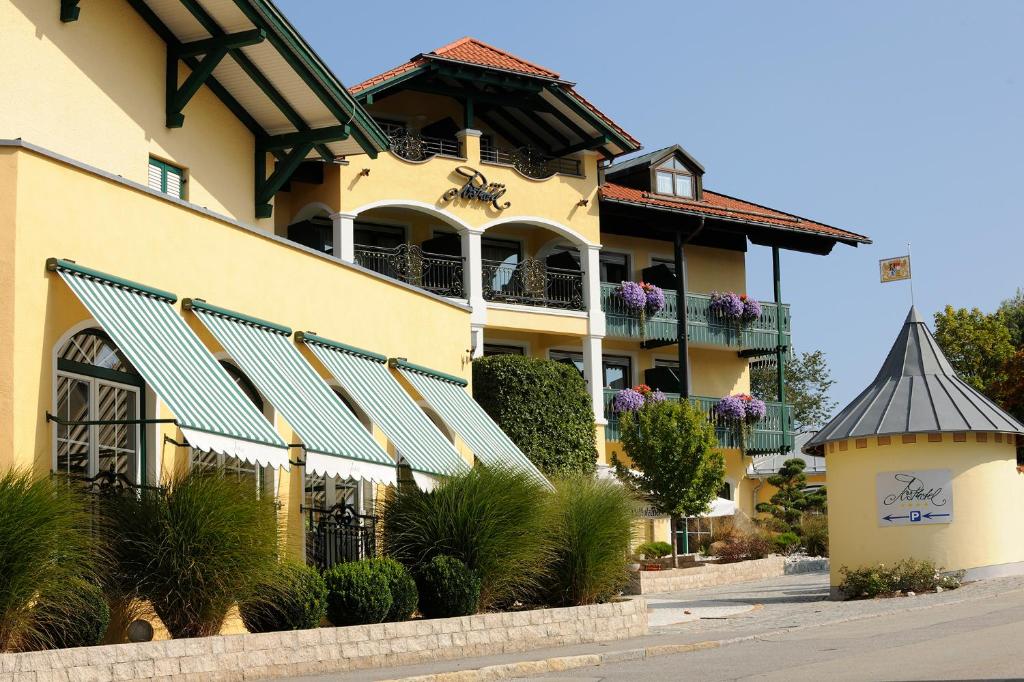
(900, 120)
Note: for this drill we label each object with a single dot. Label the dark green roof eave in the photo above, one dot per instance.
(276, 23)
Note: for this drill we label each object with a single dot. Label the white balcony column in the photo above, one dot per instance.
(590, 258)
(472, 273)
(343, 234)
(593, 373)
(476, 340)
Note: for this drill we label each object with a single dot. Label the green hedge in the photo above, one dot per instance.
(543, 406)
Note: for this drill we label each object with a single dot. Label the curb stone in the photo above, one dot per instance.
(564, 663)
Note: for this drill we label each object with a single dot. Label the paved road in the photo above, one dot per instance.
(974, 632)
(975, 639)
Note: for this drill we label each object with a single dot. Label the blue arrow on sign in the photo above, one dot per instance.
(931, 515)
(891, 518)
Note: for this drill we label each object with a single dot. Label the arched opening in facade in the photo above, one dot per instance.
(96, 383)
(412, 246)
(524, 263)
(262, 478)
(312, 226)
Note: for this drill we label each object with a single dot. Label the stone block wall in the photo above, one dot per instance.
(708, 575)
(330, 650)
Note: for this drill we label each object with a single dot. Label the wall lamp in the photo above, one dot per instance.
(364, 172)
(583, 202)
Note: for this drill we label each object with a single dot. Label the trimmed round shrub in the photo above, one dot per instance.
(357, 594)
(82, 625)
(293, 598)
(404, 595)
(543, 406)
(447, 588)
(786, 543)
(654, 550)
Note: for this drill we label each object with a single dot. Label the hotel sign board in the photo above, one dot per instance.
(914, 498)
(476, 188)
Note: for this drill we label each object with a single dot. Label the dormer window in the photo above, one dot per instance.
(674, 179)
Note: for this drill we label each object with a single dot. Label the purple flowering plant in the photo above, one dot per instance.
(655, 298)
(633, 399)
(741, 408)
(751, 309)
(734, 307)
(633, 295)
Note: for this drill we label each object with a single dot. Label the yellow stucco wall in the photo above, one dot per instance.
(93, 90)
(988, 503)
(707, 269)
(553, 202)
(8, 212)
(132, 234)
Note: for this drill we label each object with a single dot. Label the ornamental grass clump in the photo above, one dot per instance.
(194, 548)
(47, 548)
(86, 628)
(487, 517)
(590, 523)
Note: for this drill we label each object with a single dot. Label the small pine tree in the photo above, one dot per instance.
(792, 498)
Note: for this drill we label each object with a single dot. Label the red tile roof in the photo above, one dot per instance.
(478, 53)
(722, 206)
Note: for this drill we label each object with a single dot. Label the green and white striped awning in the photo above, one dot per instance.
(365, 377)
(212, 413)
(446, 395)
(336, 443)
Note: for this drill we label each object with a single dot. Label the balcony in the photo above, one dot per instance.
(438, 273)
(703, 326)
(532, 282)
(769, 435)
(412, 146)
(530, 162)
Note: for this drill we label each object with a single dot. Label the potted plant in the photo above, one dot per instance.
(632, 399)
(641, 299)
(735, 308)
(740, 411)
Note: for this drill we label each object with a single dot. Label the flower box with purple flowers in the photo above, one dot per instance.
(741, 408)
(734, 307)
(633, 399)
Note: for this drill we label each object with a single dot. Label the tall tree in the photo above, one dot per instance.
(1012, 310)
(978, 345)
(808, 381)
(674, 461)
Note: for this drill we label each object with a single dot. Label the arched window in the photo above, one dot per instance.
(96, 383)
(261, 477)
(674, 178)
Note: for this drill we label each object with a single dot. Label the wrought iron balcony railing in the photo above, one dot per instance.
(531, 282)
(530, 162)
(439, 273)
(338, 535)
(703, 326)
(412, 146)
(772, 434)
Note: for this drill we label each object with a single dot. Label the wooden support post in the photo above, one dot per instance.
(779, 348)
(682, 341)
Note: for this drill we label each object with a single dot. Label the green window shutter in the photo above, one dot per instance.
(163, 177)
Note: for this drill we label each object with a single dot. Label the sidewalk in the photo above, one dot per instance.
(778, 605)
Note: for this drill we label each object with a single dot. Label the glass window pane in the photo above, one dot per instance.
(617, 373)
(73, 441)
(614, 267)
(315, 491)
(116, 444)
(382, 236)
(500, 250)
(684, 186)
(664, 183)
(497, 349)
(569, 358)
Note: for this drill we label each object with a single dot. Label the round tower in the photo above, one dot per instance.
(920, 465)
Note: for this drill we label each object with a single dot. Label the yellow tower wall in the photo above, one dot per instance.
(985, 536)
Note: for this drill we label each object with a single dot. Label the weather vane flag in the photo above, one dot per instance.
(897, 269)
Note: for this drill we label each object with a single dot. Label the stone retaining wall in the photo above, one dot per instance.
(708, 575)
(328, 650)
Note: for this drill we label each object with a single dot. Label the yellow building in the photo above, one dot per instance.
(923, 466)
(215, 254)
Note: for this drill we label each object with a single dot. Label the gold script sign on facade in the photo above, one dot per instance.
(476, 188)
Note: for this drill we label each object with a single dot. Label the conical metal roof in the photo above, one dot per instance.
(915, 391)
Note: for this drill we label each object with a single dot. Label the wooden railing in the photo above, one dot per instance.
(771, 434)
(703, 326)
